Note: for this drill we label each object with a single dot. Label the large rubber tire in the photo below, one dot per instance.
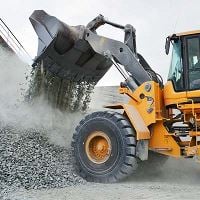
(122, 160)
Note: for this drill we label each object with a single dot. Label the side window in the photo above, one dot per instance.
(193, 46)
(176, 68)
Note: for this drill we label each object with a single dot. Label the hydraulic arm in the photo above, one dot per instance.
(79, 54)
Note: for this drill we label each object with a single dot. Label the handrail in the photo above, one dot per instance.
(12, 41)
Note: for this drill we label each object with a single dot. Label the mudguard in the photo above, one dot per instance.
(136, 120)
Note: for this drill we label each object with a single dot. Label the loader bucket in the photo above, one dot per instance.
(63, 51)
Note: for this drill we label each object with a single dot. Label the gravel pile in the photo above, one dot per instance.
(28, 158)
(29, 161)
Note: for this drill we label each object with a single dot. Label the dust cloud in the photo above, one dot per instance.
(15, 78)
(35, 137)
(165, 169)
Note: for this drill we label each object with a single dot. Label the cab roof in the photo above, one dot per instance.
(188, 33)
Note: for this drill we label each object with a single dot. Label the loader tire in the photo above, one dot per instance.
(104, 147)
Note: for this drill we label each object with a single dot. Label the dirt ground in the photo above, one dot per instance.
(134, 190)
(178, 179)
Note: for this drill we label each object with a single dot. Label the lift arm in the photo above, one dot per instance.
(77, 53)
(123, 53)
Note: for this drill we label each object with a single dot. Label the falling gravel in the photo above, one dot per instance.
(64, 94)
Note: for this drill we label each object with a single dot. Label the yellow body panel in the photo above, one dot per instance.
(148, 113)
(136, 120)
(151, 105)
(193, 94)
(161, 141)
(144, 108)
(171, 97)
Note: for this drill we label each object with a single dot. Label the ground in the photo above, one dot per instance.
(178, 179)
(133, 190)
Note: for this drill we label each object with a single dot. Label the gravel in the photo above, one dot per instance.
(30, 161)
(64, 94)
(34, 138)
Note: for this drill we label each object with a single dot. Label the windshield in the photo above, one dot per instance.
(176, 68)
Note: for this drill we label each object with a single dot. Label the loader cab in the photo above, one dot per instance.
(184, 73)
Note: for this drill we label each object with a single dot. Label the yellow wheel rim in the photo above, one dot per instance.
(98, 147)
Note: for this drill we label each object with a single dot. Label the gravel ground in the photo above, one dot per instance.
(128, 191)
(179, 179)
(32, 168)
(30, 161)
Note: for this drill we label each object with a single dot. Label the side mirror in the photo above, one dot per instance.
(167, 45)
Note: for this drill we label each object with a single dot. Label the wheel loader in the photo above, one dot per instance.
(159, 117)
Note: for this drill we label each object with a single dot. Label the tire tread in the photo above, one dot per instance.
(129, 164)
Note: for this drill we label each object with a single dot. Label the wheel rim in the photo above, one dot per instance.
(98, 147)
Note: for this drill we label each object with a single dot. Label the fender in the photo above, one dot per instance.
(142, 132)
(135, 118)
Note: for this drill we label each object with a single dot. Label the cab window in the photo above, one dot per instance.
(176, 68)
(193, 50)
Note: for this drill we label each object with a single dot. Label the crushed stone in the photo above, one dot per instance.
(29, 161)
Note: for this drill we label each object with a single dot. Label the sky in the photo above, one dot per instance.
(154, 20)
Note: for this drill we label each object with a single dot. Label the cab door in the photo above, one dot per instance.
(175, 88)
(192, 65)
